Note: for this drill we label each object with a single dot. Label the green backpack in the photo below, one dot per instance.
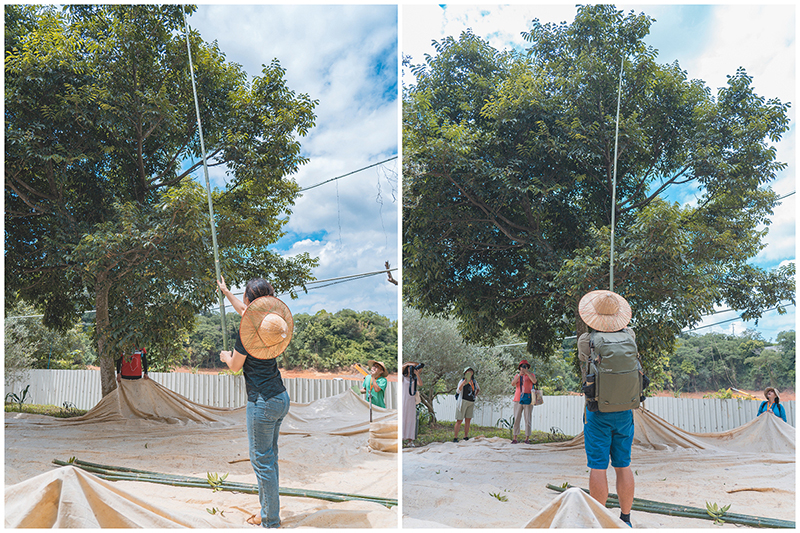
(616, 373)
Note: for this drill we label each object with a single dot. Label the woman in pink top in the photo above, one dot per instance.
(523, 399)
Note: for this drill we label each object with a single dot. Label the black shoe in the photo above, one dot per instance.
(455, 440)
(466, 438)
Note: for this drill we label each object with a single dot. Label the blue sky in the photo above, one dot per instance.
(709, 42)
(345, 57)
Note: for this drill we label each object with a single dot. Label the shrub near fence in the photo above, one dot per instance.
(82, 388)
(707, 415)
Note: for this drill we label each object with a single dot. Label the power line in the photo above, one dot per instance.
(348, 174)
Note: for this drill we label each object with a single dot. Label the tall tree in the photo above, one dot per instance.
(101, 141)
(508, 166)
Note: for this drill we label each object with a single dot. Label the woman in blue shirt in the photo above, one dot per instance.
(773, 404)
(264, 333)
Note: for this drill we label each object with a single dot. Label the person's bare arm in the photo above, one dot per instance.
(237, 304)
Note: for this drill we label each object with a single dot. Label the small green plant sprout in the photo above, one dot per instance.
(214, 510)
(565, 485)
(499, 496)
(215, 481)
(72, 460)
(507, 423)
(716, 512)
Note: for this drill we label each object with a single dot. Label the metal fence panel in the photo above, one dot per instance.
(706, 415)
(82, 389)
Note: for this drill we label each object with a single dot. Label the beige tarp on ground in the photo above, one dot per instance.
(461, 484)
(574, 509)
(325, 446)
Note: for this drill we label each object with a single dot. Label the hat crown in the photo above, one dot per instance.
(273, 329)
(606, 305)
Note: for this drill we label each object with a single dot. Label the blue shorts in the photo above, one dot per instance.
(608, 435)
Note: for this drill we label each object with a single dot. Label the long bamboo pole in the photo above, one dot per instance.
(120, 473)
(684, 511)
(208, 190)
(614, 184)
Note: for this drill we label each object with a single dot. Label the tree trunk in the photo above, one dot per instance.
(428, 403)
(107, 365)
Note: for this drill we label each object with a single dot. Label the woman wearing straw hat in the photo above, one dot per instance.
(467, 389)
(376, 383)
(773, 404)
(411, 380)
(264, 333)
(607, 434)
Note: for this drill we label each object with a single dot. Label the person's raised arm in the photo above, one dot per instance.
(237, 304)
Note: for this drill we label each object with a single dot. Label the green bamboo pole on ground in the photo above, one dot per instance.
(119, 473)
(652, 506)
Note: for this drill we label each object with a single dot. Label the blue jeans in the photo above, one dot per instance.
(264, 419)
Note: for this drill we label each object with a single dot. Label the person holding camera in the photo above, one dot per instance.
(411, 382)
(466, 391)
(523, 399)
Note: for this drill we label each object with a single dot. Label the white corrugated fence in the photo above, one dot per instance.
(82, 388)
(707, 415)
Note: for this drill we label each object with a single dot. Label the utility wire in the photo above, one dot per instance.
(348, 174)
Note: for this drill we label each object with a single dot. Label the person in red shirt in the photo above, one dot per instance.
(523, 399)
(132, 366)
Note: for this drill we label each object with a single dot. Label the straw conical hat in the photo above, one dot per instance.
(604, 311)
(266, 327)
(383, 373)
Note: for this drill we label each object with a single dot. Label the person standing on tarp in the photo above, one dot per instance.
(376, 383)
(523, 399)
(608, 434)
(773, 404)
(264, 334)
(132, 366)
(467, 390)
(411, 381)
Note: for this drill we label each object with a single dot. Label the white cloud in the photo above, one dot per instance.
(345, 57)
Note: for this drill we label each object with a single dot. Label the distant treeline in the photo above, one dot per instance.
(323, 341)
(717, 361)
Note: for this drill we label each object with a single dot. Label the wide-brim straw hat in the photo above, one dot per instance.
(373, 362)
(604, 311)
(266, 328)
(773, 389)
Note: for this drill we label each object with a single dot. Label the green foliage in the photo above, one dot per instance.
(215, 480)
(49, 410)
(100, 211)
(717, 512)
(333, 341)
(500, 497)
(438, 343)
(507, 423)
(717, 361)
(508, 162)
(18, 399)
(29, 344)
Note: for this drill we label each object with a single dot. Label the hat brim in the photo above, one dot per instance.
(373, 362)
(249, 330)
(600, 322)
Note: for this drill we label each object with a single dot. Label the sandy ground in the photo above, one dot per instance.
(315, 460)
(460, 484)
